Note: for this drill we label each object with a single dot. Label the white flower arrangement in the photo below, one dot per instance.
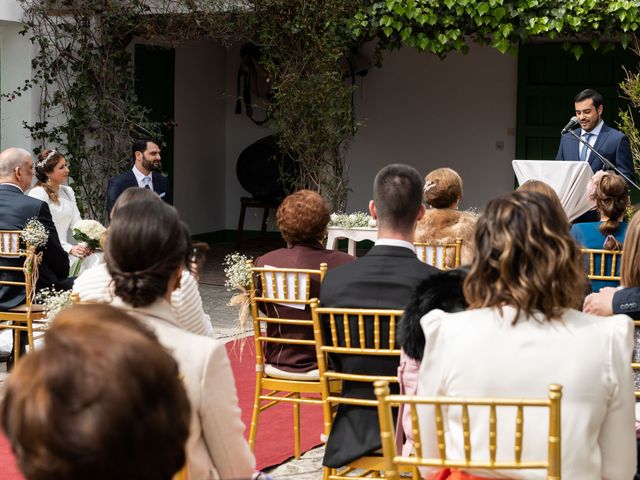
(352, 220)
(54, 300)
(89, 232)
(34, 233)
(236, 271)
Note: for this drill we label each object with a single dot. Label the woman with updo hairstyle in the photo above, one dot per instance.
(146, 251)
(544, 188)
(302, 218)
(443, 222)
(610, 194)
(52, 173)
(523, 332)
(101, 399)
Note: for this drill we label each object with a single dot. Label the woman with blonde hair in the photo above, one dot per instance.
(443, 222)
(523, 332)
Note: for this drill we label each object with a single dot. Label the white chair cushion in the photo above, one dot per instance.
(274, 372)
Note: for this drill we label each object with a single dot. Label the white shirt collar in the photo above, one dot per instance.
(139, 176)
(391, 242)
(13, 185)
(595, 132)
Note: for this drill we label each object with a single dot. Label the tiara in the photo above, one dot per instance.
(44, 161)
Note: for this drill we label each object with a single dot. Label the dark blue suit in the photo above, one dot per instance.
(15, 209)
(384, 278)
(120, 183)
(611, 144)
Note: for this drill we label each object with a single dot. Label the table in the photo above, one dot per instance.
(356, 234)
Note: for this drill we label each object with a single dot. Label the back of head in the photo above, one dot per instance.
(147, 243)
(303, 217)
(442, 188)
(101, 400)
(525, 258)
(543, 188)
(397, 194)
(10, 159)
(134, 194)
(630, 268)
(611, 195)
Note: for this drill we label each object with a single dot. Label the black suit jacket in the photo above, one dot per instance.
(15, 209)
(384, 278)
(120, 183)
(611, 144)
(627, 301)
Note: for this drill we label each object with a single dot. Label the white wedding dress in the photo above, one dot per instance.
(65, 215)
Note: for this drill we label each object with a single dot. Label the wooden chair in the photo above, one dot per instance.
(351, 321)
(438, 255)
(281, 286)
(608, 264)
(392, 461)
(182, 474)
(27, 317)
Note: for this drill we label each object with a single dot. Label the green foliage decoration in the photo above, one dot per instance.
(630, 88)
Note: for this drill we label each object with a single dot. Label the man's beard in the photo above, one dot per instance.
(151, 165)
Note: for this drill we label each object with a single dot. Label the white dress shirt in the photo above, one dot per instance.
(141, 176)
(592, 139)
(391, 242)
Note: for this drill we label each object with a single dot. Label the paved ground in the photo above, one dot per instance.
(224, 321)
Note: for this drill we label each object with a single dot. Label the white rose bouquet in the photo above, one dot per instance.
(89, 233)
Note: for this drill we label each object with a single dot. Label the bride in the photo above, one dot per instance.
(52, 173)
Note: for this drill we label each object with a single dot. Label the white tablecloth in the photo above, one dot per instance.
(352, 234)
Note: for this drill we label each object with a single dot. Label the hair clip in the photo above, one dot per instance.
(44, 161)
(428, 185)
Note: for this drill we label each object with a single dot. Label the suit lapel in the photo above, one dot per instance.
(600, 140)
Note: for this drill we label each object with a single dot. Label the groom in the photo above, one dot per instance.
(16, 172)
(144, 174)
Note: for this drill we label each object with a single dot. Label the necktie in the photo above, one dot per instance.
(585, 149)
(146, 181)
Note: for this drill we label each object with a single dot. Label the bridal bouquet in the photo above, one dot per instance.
(89, 233)
(238, 277)
(352, 220)
(34, 234)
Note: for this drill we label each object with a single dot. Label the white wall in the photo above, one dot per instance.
(199, 137)
(10, 11)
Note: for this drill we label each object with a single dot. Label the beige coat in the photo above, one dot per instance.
(216, 448)
(444, 225)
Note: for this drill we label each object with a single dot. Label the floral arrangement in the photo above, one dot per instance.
(54, 300)
(592, 188)
(89, 233)
(34, 233)
(238, 278)
(352, 220)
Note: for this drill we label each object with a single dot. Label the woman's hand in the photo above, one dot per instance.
(600, 303)
(80, 251)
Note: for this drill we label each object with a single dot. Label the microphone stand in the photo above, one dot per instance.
(604, 160)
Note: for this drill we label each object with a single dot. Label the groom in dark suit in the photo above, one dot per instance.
(384, 278)
(144, 174)
(16, 172)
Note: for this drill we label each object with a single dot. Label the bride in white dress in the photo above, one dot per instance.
(52, 173)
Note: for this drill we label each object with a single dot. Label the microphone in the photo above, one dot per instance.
(573, 123)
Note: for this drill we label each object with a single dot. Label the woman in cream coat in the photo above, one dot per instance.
(522, 333)
(145, 254)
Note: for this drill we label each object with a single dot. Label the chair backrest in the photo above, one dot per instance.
(392, 461)
(603, 264)
(289, 287)
(440, 255)
(635, 361)
(10, 243)
(18, 273)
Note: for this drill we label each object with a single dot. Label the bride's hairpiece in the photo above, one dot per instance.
(428, 185)
(594, 184)
(44, 161)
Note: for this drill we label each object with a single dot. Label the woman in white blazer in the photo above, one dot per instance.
(146, 251)
(521, 333)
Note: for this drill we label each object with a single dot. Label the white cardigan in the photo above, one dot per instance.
(216, 448)
(477, 353)
(94, 285)
(65, 213)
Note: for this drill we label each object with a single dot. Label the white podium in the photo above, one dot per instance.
(568, 179)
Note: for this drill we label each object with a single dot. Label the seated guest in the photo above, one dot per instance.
(522, 333)
(544, 188)
(101, 399)
(95, 284)
(302, 219)
(443, 222)
(611, 195)
(16, 173)
(441, 291)
(383, 278)
(146, 251)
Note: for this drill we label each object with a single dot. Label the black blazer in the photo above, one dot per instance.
(627, 301)
(120, 183)
(384, 278)
(15, 209)
(611, 144)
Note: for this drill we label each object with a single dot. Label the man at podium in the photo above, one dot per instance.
(609, 142)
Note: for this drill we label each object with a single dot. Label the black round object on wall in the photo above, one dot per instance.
(258, 168)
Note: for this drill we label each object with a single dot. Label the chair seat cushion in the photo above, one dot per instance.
(275, 372)
(23, 308)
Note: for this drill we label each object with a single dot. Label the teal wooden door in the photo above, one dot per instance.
(548, 80)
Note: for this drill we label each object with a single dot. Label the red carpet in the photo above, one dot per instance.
(274, 443)
(8, 468)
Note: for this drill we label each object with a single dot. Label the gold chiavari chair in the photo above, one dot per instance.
(27, 317)
(182, 474)
(343, 324)
(439, 255)
(635, 361)
(392, 461)
(281, 286)
(603, 264)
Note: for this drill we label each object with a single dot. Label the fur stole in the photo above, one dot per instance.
(444, 225)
